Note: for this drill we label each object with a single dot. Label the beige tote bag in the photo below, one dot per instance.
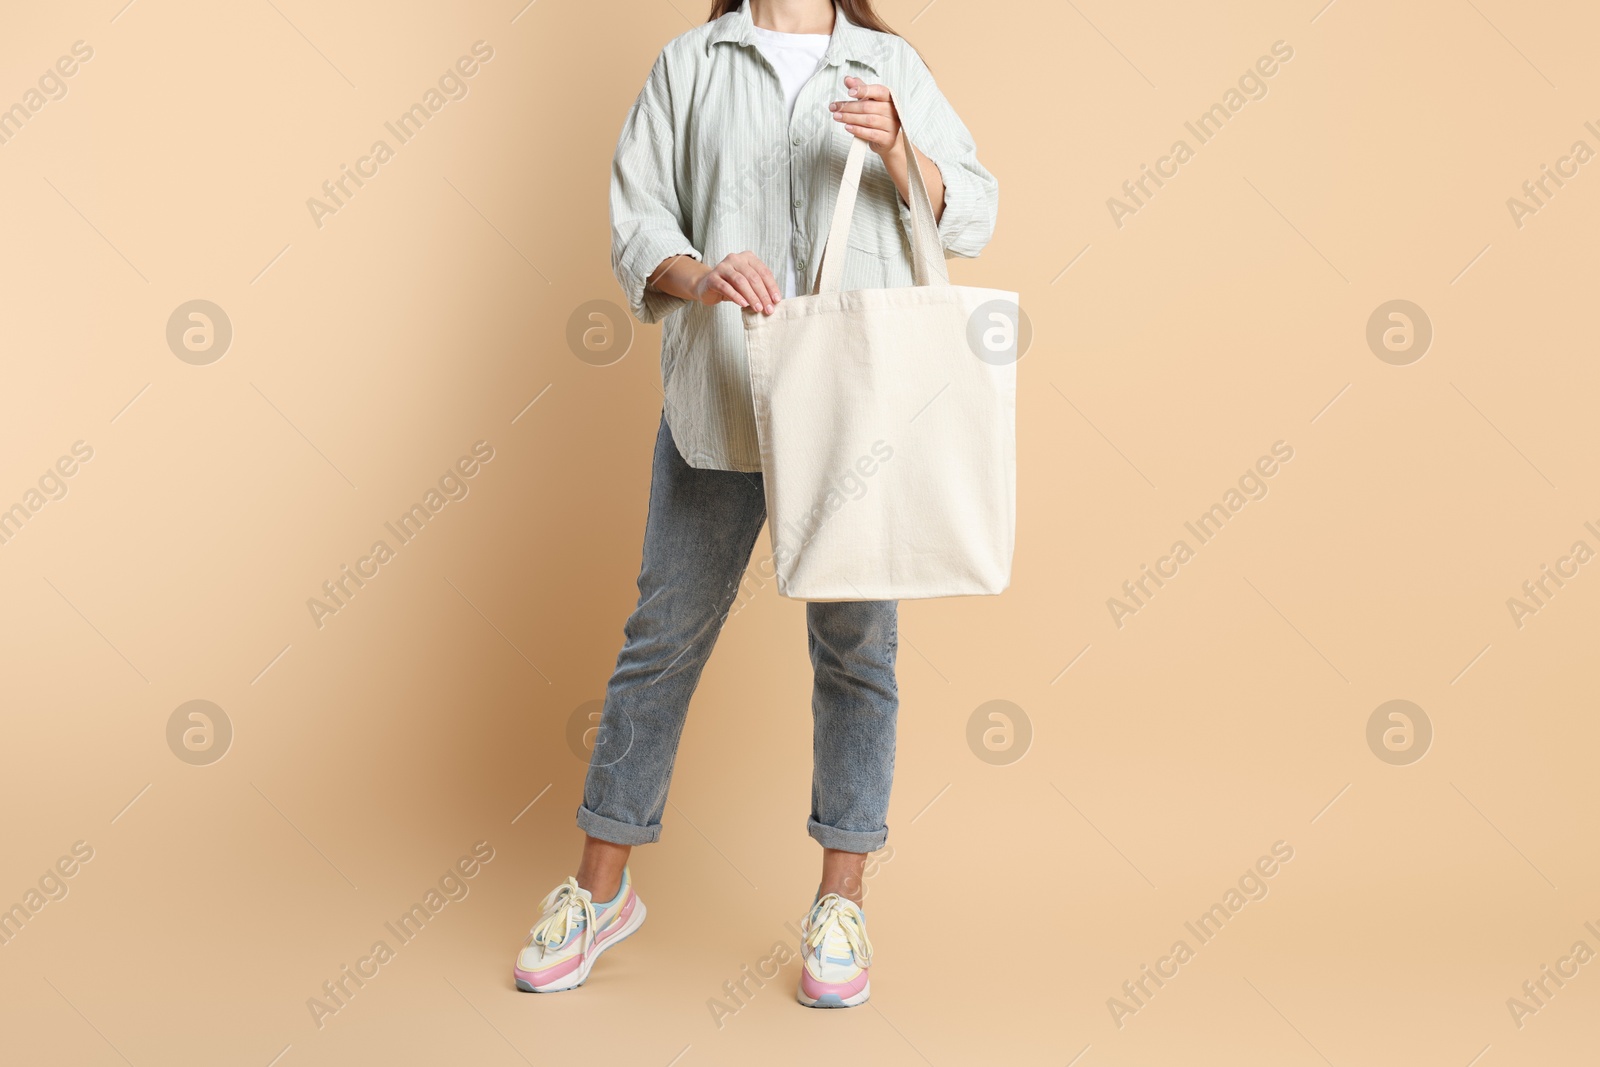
(887, 425)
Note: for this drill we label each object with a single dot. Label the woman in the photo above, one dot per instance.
(709, 193)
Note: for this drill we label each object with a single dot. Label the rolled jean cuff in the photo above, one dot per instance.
(845, 840)
(618, 833)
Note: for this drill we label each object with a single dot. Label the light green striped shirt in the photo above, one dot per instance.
(707, 164)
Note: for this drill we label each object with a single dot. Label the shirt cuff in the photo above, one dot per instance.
(651, 305)
(958, 200)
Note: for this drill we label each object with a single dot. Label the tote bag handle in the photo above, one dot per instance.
(927, 254)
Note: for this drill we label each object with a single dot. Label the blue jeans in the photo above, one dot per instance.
(698, 538)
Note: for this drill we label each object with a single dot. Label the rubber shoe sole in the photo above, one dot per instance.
(833, 1000)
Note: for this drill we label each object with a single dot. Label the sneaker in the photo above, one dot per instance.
(837, 954)
(571, 933)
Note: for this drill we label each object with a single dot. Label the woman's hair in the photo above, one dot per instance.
(859, 11)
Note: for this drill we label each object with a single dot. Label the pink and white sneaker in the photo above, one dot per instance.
(572, 932)
(837, 953)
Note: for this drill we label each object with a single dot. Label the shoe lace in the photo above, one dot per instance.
(836, 912)
(566, 905)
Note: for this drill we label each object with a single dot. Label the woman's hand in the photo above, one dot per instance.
(871, 116)
(741, 277)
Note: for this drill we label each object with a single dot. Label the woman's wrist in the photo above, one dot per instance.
(677, 275)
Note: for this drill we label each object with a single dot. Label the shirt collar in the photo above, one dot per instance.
(848, 40)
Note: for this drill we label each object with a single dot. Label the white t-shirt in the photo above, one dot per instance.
(796, 57)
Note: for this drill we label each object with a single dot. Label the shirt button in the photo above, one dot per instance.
(798, 201)
(800, 263)
(797, 140)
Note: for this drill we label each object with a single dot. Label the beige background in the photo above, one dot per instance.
(1230, 713)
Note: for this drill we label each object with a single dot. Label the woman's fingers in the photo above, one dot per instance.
(756, 274)
(848, 111)
(743, 284)
(864, 90)
(871, 122)
(744, 279)
(869, 106)
(763, 286)
(726, 290)
(871, 136)
(771, 283)
(870, 116)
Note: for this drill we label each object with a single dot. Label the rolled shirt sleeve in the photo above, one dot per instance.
(971, 193)
(647, 223)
